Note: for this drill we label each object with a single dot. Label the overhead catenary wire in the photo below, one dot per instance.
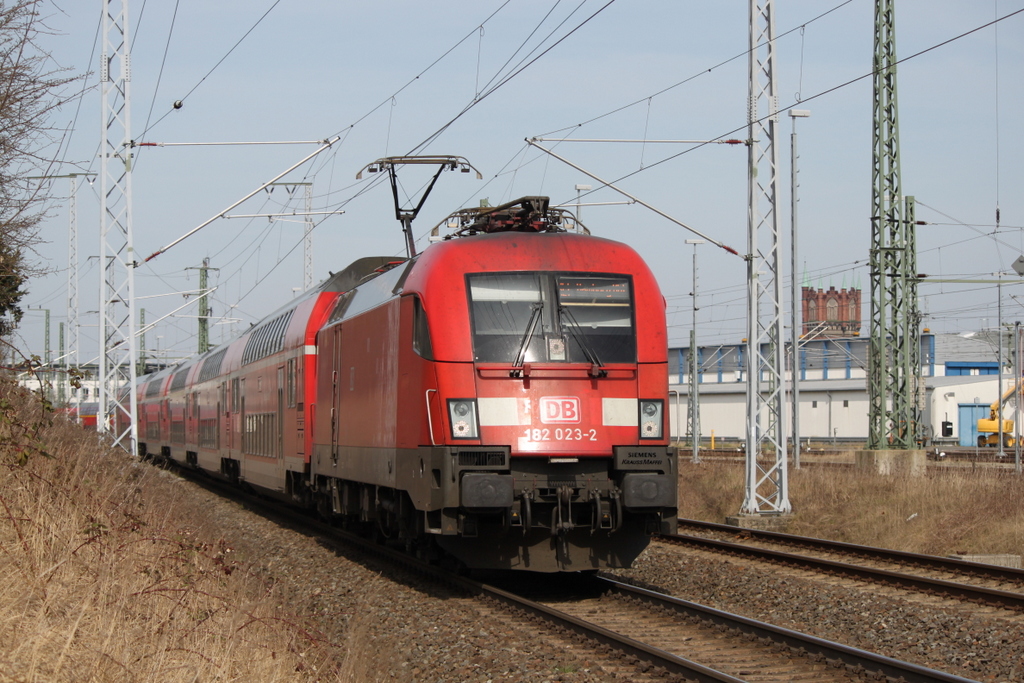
(700, 73)
(504, 80)
(212, 69)
(327, 160)
(802, 102)
(163, 63)
(637, 200)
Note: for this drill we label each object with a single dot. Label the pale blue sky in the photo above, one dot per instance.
(317, 68)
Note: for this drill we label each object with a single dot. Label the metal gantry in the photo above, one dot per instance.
(118, 349)
(766, 467)
(693, 407)
(205, 312)
(796, 303)
(894, 356)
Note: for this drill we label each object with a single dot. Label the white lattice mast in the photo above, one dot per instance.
(71, 360)
(307, 242)
(766, 480)
(118, 350)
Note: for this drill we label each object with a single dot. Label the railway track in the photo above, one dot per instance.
(844, 457)
(994, 586)
(643, 634)
(703, 644)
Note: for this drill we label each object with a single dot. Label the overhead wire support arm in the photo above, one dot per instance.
(730, 141)
(286, 214)
(533, 142)
(326, 144)
(215, 144)
(407, 216)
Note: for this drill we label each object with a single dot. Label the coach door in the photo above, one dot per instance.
(336, 392)
(280, 412)
(234, 425)
(165, 420)
(243, 427)
(220, 424)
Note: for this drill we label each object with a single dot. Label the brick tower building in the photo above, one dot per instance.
(831, 312)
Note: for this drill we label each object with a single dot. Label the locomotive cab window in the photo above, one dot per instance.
(539, 317)
(421, 331)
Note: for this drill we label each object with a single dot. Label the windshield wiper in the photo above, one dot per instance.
(577, 333)
(524, 344)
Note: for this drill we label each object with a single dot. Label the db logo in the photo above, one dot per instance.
(560, 410)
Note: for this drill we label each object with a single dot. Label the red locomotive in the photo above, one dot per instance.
(500, 397)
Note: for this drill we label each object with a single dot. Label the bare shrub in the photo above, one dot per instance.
(710, 490)
(944, 512)
(31, 90)
(105, 578)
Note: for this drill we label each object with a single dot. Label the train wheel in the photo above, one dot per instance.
(427, 550)
(387, 525)
(323, 506)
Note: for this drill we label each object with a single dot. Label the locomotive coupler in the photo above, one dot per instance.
(527, 511)
(616, 498)
(602, 513)
(561, 516)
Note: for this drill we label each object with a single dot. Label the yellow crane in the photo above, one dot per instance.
(988, 429)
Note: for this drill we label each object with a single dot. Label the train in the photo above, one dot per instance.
(497, 400)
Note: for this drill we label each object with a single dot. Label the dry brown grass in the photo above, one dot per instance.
(944, 512)
(103, 583)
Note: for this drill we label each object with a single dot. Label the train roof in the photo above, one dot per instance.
(357, 272)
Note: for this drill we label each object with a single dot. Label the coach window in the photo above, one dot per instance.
(234, 395)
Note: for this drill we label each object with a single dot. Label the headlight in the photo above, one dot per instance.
(651, 419)
(462, 414)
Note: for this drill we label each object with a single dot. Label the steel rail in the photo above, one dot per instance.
(833, 652)
(987, 596)
(947, 564)
(656, 656)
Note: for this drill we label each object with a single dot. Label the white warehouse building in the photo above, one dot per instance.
(959, 376)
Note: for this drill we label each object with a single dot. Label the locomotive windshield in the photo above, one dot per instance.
(552, 317)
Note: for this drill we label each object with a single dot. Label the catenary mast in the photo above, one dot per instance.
(895, 340)
(118, 346)
(766, 473)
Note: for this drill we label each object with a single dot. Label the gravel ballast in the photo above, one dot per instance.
(388, 625)
(983, 644)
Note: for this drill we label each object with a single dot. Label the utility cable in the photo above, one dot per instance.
(817, 95)
(702, 72)
(424, 71)
(160, 73)
(214, 68)
(504, 81)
